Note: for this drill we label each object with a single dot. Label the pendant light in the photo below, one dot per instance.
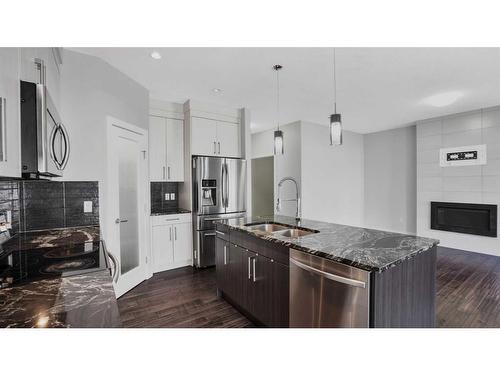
(335, 118)
(278, 134)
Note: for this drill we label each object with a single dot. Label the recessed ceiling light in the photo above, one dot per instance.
(156, 55)
(443, 99)
(217, 91)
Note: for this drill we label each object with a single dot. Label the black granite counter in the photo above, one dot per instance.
(368, 249)
(51, 238)
(83, 298)
(81, 301)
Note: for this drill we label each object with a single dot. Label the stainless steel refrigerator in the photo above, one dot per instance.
(219, 192)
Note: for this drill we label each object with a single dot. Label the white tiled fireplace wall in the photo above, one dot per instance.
(468, 184)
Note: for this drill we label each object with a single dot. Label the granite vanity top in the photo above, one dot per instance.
(368, 249)
(82, 301)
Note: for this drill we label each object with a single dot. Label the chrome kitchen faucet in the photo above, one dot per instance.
(297, 198)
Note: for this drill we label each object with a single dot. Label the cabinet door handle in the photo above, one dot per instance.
(254, 261)
(175, 233)
(215, 149)
(170, 230)
(225, 254)
(164, 173)
(250, 260)
(168, 173)
(219, 147)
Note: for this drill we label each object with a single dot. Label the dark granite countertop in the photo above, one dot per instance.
(84, 300)
(368, 249)
(176, 211)
(81, 301)
(51, 238)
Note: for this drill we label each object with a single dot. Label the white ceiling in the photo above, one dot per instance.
(377, 88)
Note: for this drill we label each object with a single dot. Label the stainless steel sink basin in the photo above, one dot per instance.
(294, 233)
(269, 228)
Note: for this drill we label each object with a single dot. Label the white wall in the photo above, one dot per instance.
(288, 165)
(390, 180)
(469, 184)
(332, 176)
(91, 90)
(262, 144)
(331, 179)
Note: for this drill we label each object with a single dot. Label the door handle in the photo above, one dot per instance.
(330, 276)
(249, 268)
(118, 221)
(254, 261)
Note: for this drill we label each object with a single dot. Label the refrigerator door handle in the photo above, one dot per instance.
(227, 186)
(223, 183)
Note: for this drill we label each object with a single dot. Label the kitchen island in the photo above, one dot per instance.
(266, 267)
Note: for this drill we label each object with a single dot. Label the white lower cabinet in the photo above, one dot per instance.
(171, 239)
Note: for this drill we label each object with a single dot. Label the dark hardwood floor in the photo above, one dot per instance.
(468, 295)
(181, 298)
(468, 289)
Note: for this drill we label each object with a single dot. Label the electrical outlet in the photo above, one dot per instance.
(172, 196)
(167, 196)
(87, 206)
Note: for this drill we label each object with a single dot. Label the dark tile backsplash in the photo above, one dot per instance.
(158, 202)
(9, 201)
(37, 204)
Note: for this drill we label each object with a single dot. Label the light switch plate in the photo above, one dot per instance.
(87, 206)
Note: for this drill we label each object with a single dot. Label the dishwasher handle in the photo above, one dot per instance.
(330, 276)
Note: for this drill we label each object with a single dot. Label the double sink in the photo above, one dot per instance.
(279, 229)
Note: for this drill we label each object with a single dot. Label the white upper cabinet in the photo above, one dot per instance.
(166, 149)
(215, 138)
(203, 136)
(10, 128)
(228, 139)
(157, 149)
(175, 150)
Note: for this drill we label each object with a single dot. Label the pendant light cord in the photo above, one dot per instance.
(334, 83)
(278, 97)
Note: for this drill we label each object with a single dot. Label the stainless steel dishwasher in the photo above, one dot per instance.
(324, 293)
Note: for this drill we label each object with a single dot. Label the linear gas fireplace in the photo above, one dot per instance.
(479, 219)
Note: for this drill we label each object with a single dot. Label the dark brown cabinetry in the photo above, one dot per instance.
(256, 283)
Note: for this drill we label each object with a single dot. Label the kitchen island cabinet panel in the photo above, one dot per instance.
(405, 296)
